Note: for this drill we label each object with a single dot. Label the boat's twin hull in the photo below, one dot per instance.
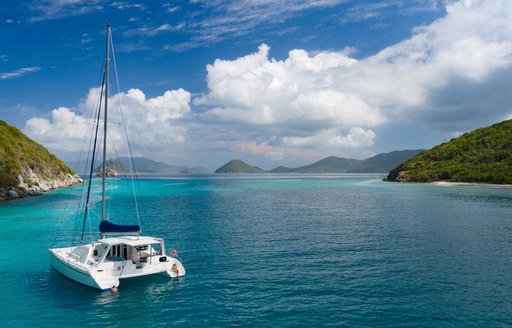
(106, 275)
(76, 273)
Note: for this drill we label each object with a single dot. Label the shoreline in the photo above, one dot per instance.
(470, 184)
(23, 190)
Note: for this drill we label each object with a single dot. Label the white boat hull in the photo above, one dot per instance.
(74, 272)
(86, 265)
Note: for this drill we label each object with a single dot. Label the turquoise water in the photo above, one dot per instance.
(273, 251)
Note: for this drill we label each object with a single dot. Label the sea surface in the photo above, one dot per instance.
(276, 251)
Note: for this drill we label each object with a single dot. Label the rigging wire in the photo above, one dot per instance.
(85, 204)
(135, 178)
(84, 208)
(94, 119)
(92, 167)
(80, 202)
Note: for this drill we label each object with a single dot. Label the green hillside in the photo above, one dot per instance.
(483, 155)
(384, 162)
(281, 169)
(21, 156)
(238, 166)
(377, 164)
(331, 164)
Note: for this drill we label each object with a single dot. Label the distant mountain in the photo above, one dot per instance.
(380, 163)
(27, 168)
(483, 155)
(195, 170)
(383, 162)
(142, 165)
(331, 164)
(238, 166)
(281, 169)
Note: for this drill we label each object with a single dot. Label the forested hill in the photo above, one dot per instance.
(483, 155)
(377, 164)
(238, 166)
(27, 168)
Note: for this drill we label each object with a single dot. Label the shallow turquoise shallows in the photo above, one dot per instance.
(277, 251)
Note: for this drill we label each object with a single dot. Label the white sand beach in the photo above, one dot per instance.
(469, 184)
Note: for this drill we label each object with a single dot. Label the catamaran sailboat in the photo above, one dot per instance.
(121, 251)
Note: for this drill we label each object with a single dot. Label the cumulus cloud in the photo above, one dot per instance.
(63, 125)
(427, 77)
(330, 139)
(151, 123)
(449, 75)
(295, 98)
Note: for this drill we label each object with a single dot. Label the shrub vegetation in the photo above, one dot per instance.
(18, 151)
(483, 155)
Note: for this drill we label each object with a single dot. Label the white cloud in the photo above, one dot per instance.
(151, 123)
(122, 5)
(63, 131)
(378, 9)
(330, 139)
(152, 30)
(424, 76)
(235, 18)
(294, 102)
(17, 73)
(55, 9)
(294, 94)
(172, 10)
(449, 75)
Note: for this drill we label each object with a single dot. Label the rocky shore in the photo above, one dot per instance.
(28, 168)
(32, 184)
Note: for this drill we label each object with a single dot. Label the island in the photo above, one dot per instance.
(125, 165)
(27, 168)
(481, 156)
(238, 166)
(380, 163)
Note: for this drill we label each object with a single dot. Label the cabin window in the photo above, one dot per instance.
(156, 249)
(118, 253)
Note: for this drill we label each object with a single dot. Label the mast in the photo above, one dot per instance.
(103, 168)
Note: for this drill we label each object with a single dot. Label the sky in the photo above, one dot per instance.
(201, 82)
